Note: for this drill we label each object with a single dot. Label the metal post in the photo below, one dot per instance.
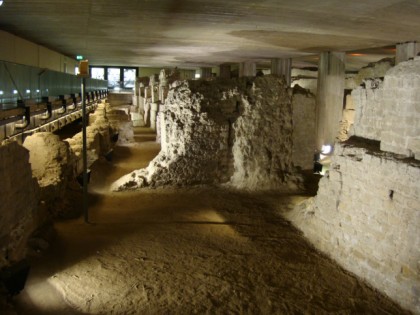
(85, 173)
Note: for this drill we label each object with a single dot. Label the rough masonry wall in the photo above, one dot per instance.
(19, 203)
(368, 101)
(303, 103)
(214, 130)
(366, 216)
(262, 150)
(371, 71)
(401, 122)
(390, 111)
(55, 163)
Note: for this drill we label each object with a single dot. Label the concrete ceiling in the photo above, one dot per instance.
(189, 33)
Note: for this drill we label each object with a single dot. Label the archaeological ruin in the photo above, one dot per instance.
(210, 157)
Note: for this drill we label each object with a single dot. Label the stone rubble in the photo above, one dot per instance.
(237, 131)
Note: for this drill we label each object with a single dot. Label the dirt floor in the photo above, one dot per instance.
(203, 250)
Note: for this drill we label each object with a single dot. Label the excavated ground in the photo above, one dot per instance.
(203, 250)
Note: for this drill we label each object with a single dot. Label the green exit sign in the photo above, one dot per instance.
(79, 57)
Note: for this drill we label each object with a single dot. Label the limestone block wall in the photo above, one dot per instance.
(368, 101)
(401, 122)
(19, 203)
(215, 131)
(366, 216)
(303, 103)
(390, 111)
(373, 70)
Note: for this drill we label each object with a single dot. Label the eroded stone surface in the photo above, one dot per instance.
(213, 131)
(19, 195)
(304, 146)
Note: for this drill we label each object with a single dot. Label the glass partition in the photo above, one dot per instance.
(20, 82)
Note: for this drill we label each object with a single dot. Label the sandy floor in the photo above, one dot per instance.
(187, 251)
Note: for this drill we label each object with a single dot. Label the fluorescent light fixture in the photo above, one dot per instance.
(28, 91)
(197, 76)
(37, 91)
(1, 2)
(1, 92)
(14, 91)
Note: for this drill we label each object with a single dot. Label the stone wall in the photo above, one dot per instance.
(19, 203)
(55, 163)
(368, 101)
(303, 103)
(389, 111)
(371, 71)
(366, 214)
(401, 117)
(213, 131)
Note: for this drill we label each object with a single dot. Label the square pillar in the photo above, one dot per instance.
(406, 51)
(225, 71)
(206, 73)
(282, 67)
(330, 95)
(247, 69)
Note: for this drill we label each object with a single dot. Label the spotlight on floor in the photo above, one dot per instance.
(14, 277)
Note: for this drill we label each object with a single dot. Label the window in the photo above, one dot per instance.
(129, 78)
(114, 77)
(98, 73)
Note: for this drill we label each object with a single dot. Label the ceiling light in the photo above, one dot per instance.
(1, 92)
(1, 2)
(14, 91)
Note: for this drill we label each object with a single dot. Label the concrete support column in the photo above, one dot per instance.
(405, 51)
(137, 113)
(330, 94)
(225, 71)
(154, 107)
(282, 67)
(206, 73)
(247, 69)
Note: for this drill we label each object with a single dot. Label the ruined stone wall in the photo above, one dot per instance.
(390, 111)
(303, 103)
(262, 150)
(401, 117)
(212, 131)
(55, 163)
(19, 203)
(366, 214)
(368, 101)
(373, 70)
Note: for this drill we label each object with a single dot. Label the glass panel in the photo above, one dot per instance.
(113, 77)
(129, 78)
(98, 73)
